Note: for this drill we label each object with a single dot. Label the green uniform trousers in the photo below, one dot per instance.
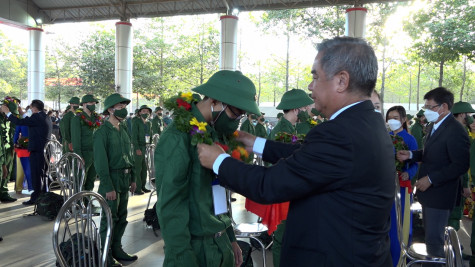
(9, 163)
(456, 216)
(209, 252)
(140, 171)
(277, 244)
(119, 219)
(90, 172)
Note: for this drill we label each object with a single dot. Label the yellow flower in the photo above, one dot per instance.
(187, 96)
(243, 151)
(313, 122)
(201, 125)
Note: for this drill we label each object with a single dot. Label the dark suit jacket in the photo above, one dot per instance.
(445, 158)
(340, 183)
(39, 129)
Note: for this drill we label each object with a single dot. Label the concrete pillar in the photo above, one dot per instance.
(228, 48)
(124, 59)
(36, 65)
(356, 22)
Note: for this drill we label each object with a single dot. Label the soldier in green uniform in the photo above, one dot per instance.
(417, 129)
(279, 116)
(261, 130)
(157, 121)
(306, 121)
(461, 111)
(141, 136)
(195, 234)
(247, 125)
(7, 130)
(291, 103)
(83, 126)
(114, 165)
(65, 124)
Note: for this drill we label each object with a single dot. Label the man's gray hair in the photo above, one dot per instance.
(353, 55)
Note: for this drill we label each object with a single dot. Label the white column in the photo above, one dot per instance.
(36, 65)
(228, 49)
(124, 59)
(356, 22)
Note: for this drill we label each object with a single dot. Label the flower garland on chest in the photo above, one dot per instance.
(187, 123)
(96, 121)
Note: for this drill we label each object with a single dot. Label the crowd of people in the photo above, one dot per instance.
(326, 189)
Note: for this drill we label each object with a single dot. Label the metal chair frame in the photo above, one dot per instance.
(155, 139)
(52, 152)
(150, 159)
(70, 171)
(453, 250)
(76, 217)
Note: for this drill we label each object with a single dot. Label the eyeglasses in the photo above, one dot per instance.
(238, 116)
(431, 107)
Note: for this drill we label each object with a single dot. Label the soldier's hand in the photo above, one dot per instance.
(208, 154)
(138, 152)
(403, 155)
(111, 195)
(237, 253)
(133, 186)
(70, 146)
(247, 139)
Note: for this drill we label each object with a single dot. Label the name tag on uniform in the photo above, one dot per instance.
(219, 198)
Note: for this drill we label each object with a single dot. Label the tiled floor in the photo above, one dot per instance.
(28, 239)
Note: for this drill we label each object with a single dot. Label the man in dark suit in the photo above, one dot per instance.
(340, 182)
(39, 132)
(444, 159)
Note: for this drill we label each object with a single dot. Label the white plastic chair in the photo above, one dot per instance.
(77, 224)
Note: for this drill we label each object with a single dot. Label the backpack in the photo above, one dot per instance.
(246, 254)
(48, 205)
(151, 219)
(76, 241)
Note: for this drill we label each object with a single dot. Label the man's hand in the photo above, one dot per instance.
(237, 253)
(138, 152)
(111, 195)
(423, 183)
(208, 154)
(404, 176)
(5, 109)
(133, 186)
(466, 192)
(403, 155)
(247, 139)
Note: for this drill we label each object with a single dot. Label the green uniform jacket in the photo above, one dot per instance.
(261, 130)
(112, 152)
(283, 126)
(139, 130)
(81, 134)
(418, 133)
(3, 140)
(65, 126)
(246, 126)
(156, 125)
(185, 200)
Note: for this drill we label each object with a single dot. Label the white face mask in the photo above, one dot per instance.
(431, 116)
(394, 124)
(29, 113)
(375, 110)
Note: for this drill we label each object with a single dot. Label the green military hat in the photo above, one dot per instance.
(158, 109)
(280, 115)
(88, 98)
(295, 98)
(233, 88)
(420, 113)
(12, 104)
(136, 111)
(145, 107)
(68, 107)
(462, 107)
(75, 100)
(196, 97)
(409, 117)
(254, 117)
(112, 100)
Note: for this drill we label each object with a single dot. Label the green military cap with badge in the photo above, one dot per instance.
(420, 113)
(113, 100)
(158, 109)
(280, 115)
(295, 98)
(145, 107)
(409, 117)
(87, 99)
(75, 100)
(232, 88)
(462, 107)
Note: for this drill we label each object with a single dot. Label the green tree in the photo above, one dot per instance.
(13, 68)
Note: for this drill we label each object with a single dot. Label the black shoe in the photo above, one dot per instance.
(146, 190)
(139, 193)
(120, 254)
(28, 203)
(111, 262)
(1, 238)
(7, 199)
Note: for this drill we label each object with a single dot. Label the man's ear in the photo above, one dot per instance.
(343, 80)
